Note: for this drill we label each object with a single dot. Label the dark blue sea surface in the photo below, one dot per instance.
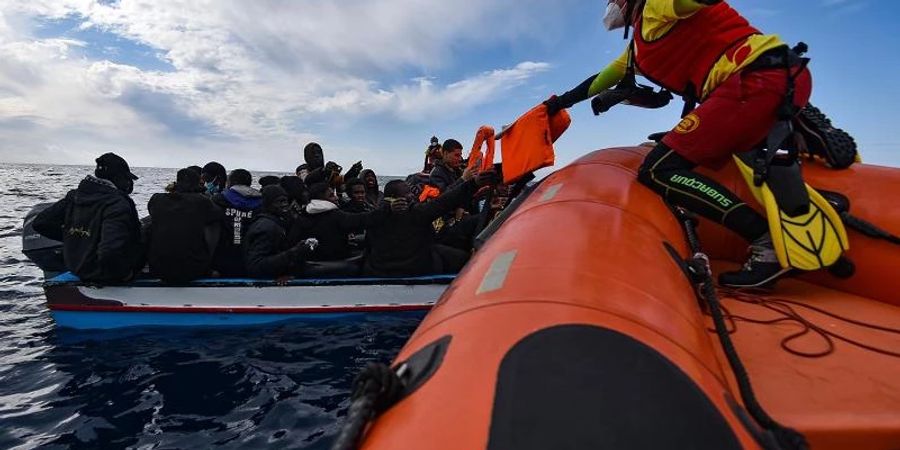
(277, 386)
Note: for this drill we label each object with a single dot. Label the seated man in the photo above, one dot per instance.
(357, 204)
(373, 195)
(98, 224)
(356, 190)
(239, 201)
(404, 244)
(329, 225)
(448, 170)
(267, 251)
(184, 230)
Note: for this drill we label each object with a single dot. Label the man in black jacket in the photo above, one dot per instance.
(329, 225)
(447, 171)
(240, 202)
(356, 190)
(404, 243)
(267, 251)
(184, 228)
(98, 224)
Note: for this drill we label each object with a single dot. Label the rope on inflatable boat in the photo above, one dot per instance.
(787, 309)
(375, 390)
(701, 273)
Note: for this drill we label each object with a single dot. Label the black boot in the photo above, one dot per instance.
(835, 145)
(761, 270)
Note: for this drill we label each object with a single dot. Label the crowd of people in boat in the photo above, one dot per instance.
(320, 222)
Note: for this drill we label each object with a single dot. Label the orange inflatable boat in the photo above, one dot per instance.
(574, 327)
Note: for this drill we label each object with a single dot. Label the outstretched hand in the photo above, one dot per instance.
(554, 105)
(470, 172)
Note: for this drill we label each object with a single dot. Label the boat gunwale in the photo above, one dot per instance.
(69, 280)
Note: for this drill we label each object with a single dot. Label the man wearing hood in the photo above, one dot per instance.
(314, 156)
(184, 228)
(373, 195)
(330, 226)
(267, 251)
(240, 202)
(98, 224)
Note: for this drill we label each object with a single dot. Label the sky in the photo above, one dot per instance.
(170, 83)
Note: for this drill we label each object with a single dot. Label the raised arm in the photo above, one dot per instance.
(605, 79)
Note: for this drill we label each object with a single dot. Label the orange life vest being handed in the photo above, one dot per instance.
(682, 59)
(528, 144)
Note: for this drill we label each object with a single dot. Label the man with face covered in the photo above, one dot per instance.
(267, 251)
(404, 243)
(98, 224)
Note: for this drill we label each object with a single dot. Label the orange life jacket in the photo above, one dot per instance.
(682, 59)
(528, 144)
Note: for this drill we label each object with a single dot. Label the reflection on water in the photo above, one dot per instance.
(281, 386)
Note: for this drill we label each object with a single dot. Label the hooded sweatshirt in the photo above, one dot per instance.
(99, 227)
(240, 204)
(177, 249)
(324, 221)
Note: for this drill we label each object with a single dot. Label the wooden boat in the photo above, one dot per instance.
(218, 301)
(593, 336)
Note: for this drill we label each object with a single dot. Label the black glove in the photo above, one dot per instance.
(554, 105)
(634, 95)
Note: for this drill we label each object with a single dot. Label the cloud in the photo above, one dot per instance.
(261, 71)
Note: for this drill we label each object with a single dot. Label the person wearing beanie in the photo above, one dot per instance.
(266, 248)
(268, 180)
(184, 228)
(98, 224)
(240, 202)
(214, 178)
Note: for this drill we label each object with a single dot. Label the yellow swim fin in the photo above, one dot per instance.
(807, 232)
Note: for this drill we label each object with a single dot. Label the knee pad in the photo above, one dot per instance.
(645, 174)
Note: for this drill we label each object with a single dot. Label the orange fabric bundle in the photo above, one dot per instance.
(528, 144)
(484, 135)
(429, 192)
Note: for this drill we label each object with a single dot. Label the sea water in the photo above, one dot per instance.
(279, 386)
